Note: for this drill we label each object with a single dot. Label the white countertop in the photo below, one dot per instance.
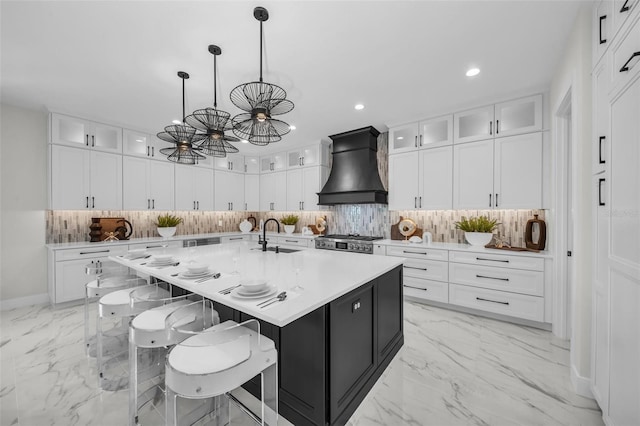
(324, 274)
(462, 247)
(86, 244)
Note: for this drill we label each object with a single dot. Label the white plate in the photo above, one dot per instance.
(132, 255)
(197, 268)
(163, 263)
(253, 286)
(272, 289)
(162, 257)
(190, 276)
(241, 292)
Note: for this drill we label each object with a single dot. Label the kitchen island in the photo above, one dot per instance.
(334, 338)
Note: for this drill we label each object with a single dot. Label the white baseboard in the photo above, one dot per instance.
(581, 385)
(20, 302)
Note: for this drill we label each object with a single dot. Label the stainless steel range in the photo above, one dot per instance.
(352, 242)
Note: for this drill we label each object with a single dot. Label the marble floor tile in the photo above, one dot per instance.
(454, 369)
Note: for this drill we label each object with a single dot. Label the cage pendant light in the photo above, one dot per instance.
(261, 101)
(213, 122)
(183, 136)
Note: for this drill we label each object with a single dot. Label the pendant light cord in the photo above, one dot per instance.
(184, 117)
(215, 96)
(260, 51)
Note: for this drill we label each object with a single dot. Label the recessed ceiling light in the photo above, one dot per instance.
(177, 122)
(292, 127)
(359, 106)
(400, 138)
(473, 71)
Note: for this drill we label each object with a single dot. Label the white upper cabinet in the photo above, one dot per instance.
(194, 188)
(601, 140)
(312, 155)
(273, 191)
(82, 179)
(147, 184)
(622, 10)
(504, 119)
(142, 144)
(229, 191)
(252, 192)
(251, 165)
(602, 29)
(72, 131)
(501, 174)
(403, 181)
(517, 181)
(232, 162)
(436, 179)
(473, 176)
(273, 163)
(425, 134)
(473, 125)
(303, 186)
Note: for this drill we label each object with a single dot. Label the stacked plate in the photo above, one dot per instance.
(135, 254)
(254, 289)
(161, 260)
(195, 271)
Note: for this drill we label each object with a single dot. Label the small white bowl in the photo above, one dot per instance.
(253, 286)
(162, 257)
(197, 268)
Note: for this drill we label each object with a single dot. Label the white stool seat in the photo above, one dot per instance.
(148, 330)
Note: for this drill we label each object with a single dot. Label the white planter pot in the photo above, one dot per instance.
(289, 229)
(167, 232)
(478, 238)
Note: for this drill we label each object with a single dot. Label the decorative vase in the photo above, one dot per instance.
(289, 229)
(478, 238)
(167, 231)
(535, 234)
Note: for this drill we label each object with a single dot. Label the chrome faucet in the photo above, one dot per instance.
(264, 232)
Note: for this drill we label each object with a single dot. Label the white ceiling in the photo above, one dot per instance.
(116, 61)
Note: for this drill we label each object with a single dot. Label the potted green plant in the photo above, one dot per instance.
(289, 222)
(167, 223)
(477, 231)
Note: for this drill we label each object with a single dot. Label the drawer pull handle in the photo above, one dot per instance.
(158, 246)
(626, 66)
(234, 238)
(92, 252)
(415, 252)
(491, 278)
(291, 241)
(492, 301)
(417, 288)
(413, 267)
(491, 260)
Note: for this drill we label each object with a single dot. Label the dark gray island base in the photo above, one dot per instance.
(330, 358)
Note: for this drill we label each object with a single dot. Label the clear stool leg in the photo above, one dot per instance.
(99, 347)
(133, 380)
(170, 402)
(86, 321)
(270, 395)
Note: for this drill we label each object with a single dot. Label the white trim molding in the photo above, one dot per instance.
(21, 302)
(581, 385)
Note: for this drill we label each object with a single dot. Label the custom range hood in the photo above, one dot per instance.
(354, 177)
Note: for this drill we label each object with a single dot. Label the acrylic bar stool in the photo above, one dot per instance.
(109, 277)
(122, 305)
(153, 330)
(213, 363)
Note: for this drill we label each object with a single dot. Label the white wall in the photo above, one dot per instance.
(23, 201)
(574, 75)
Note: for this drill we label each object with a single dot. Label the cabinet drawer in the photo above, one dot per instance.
(417, 253)
(234, 238)
(427, 269)
(90, 252)
(500, 260)
(624, 54)
(515, 305)
(512, 280)
(426, 289)
(292, 241)
(156, 245)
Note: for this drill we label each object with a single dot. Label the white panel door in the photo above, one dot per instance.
(314, 179)
(70, 131)
(71, 279)
(518, 172)
(223, 189)
(267, 192)
(203, 188)
(251, 164)
(600, 138)
(252, 192)
(295, 187)
(403, 138)
(70, 178)
(519, 116)
(436, 178)
(135, 191)
(106, 181)
(135, 143)
(237, 191)
(161, 185)
(280, 191)
(106, 138)
(403, 181)
(473, 176)
(436, 132)
(185, 187)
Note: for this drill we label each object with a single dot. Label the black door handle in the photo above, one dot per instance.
(497, 126)
(626, 67)
(624, 8)
(600, 202)
(600, 160)
(492, 301)
(602, 40)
